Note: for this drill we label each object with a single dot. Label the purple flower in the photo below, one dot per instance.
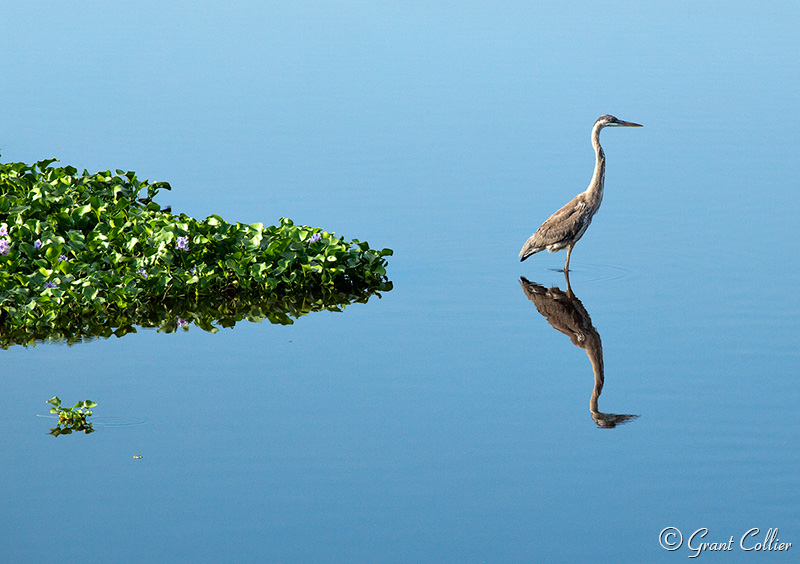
(62, 258)
(182, 244)
(182, 322)
(4, 247)
(37, 244)
(315, 237)
(143, 273)
(50, 285)
(3, 230)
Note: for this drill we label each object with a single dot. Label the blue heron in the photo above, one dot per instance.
(565, 227)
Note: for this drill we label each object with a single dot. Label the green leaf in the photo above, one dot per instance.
(53, 252)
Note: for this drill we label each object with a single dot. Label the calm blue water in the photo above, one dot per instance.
(447, 421)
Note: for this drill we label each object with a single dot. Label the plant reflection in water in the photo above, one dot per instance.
(209, 314)
(68, 427)
(565, 313)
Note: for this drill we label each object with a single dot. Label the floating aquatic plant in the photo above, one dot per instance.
(71, 418)
(93, 255)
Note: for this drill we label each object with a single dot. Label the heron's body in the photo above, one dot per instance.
(565, 227)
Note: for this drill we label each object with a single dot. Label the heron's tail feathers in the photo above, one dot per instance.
(529, 249)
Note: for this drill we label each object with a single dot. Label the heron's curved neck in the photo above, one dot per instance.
(596, 186)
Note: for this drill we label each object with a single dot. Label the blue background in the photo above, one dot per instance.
(447, 421)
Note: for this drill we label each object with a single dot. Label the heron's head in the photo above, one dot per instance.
(611, 121)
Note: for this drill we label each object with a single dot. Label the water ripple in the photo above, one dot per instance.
(593, 272)
(120, 421)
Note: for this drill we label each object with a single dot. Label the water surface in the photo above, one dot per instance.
(447, 421)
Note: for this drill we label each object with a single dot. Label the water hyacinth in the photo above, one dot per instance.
(3, 230)
(126, 265)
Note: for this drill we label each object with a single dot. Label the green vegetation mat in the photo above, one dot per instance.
(91, 255)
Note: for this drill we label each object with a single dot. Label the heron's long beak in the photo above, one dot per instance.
(628, 124)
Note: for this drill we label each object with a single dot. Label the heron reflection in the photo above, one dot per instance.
(565, 313)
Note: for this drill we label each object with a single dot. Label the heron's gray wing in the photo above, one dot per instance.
(566, 225)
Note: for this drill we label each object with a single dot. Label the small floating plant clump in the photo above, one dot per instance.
(91, 254)
(71, 418)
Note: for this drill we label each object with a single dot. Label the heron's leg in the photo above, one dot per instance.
(569, 253)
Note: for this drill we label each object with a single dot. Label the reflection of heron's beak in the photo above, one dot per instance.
(628, 124)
